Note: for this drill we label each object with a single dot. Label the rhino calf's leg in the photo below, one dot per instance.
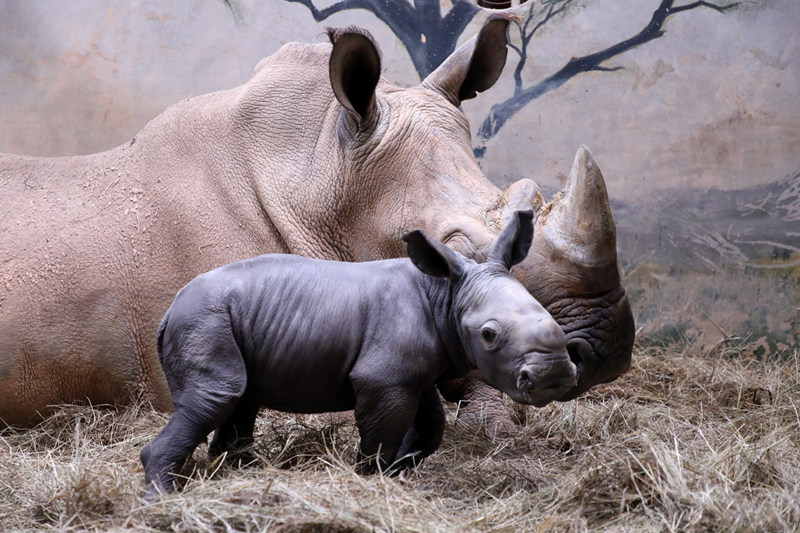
(197, 413)
(425, 434)
(167, 453)
(207, 381)
(235, 435)
(383, 417)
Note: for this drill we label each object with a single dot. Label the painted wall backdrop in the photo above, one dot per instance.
(691, 108)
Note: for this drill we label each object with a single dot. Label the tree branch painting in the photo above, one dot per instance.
(500, 113)
(428, 36)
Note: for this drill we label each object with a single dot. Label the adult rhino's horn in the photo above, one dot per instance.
(476, 65)
(580, 224)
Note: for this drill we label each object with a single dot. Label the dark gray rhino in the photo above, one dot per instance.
(315, 155)
(310, 336)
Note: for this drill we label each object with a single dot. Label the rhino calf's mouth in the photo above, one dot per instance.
(540, 384)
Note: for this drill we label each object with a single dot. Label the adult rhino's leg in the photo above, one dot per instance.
(235, 435)
(206, 387)
(481, 407)
(425, 434)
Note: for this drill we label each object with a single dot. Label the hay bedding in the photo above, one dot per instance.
(683, 442)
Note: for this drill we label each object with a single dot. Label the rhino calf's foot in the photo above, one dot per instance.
(198, 412)
(241, 456)
(165, 457)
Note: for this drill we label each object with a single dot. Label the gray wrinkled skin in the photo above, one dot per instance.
(310, 336)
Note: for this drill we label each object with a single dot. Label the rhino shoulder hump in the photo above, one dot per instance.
(294, 54)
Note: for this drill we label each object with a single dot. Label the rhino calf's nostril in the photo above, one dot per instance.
(525, 380)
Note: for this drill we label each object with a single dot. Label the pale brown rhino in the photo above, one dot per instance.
(315, 155)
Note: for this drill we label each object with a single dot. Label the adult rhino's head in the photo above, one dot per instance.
(505, 333)
(402, 157)
(389, 159)
(572, 270)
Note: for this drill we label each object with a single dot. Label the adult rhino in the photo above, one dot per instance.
(315, 155)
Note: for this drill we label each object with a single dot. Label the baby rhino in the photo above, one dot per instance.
(311, 336)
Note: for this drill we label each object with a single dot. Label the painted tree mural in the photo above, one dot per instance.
(430, 34)
(540, 13)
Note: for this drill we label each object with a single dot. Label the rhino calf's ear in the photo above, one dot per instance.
(432, 257)
(515, 240)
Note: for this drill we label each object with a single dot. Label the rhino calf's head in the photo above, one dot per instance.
(505, 332)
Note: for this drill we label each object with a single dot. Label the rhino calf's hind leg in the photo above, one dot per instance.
(194, 418)
(207, 387)
(425, 434)
(235, 435)
(166, 454)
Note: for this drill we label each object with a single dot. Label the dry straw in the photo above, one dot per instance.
(684, 442)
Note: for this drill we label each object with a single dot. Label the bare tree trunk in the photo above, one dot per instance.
(428, 36)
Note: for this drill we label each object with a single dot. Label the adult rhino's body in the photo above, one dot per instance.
(314, 156)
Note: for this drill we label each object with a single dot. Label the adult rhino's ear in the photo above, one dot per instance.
(476, 65)
(432, 257)
(515, 240)
(355, 68)
(521, 195)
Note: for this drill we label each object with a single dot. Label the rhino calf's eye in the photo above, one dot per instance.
(488, 335)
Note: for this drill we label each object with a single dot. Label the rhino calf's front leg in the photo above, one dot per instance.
(425, 434)
(384, 416)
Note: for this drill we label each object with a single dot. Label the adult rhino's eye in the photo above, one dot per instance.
(488, 335)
